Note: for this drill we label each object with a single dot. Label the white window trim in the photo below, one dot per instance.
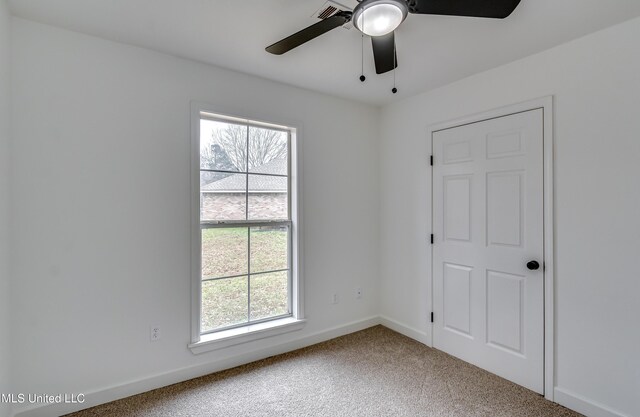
(251, 332)
(244, 334)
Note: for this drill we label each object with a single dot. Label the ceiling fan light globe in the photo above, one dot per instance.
(379, 17)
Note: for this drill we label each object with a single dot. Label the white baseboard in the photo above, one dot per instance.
(410, 332)
(128, 389)
(108, 394)
(583, 405)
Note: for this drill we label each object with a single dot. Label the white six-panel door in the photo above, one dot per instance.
(488, 224)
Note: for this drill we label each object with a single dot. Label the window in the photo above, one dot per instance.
(246, 238)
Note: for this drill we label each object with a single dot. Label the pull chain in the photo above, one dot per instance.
(395, 66)
(362, 77)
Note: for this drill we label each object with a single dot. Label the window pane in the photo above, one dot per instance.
(269, 295)
(244, 175)
(223, 146)
(225, 302)
(268, 151)
(268, 198)
(223, 196)
(224, 252)
(269, 248)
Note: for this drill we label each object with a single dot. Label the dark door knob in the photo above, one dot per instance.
(533, 265)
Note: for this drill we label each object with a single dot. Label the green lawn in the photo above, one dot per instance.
(225, 253)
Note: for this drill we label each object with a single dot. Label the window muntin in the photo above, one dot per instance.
(245, 224)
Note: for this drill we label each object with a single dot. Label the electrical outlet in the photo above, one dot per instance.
(155, 333)
(359, 292)
(334, 298)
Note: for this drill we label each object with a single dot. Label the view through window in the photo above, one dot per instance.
(245, 223)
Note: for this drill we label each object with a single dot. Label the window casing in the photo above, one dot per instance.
(245, 235)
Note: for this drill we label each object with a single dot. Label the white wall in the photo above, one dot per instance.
(101, 180)
(5, 324)
(596, 84)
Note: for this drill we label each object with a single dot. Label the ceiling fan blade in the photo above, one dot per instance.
(311, 32)
(497, 9)
(384, 53)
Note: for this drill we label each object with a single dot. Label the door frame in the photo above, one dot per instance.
(546, 104)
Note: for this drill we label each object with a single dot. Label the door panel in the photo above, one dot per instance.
(488, 223)
(504, 144)
(504, 208)
(457, 298)
(457, 152)
(505, 311)
(457, 207)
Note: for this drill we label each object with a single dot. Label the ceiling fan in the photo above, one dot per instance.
(379, 18)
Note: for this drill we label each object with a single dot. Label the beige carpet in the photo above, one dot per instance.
(372, 373)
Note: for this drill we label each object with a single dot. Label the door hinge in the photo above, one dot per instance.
(432, 238)
(431, 160)
(432, 317)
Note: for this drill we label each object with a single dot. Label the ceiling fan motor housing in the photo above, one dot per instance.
(379, 17)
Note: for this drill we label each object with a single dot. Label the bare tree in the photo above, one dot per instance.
(233, 139)
(264, 145)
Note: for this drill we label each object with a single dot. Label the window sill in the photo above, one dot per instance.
(232, 337)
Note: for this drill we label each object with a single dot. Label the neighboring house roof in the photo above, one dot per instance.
(236, 183)
(274, 167)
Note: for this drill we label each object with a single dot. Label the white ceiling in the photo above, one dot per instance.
(432, 50)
